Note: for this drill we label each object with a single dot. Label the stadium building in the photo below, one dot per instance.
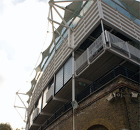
(89, 76)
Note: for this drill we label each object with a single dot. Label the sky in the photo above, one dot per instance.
(23, 27)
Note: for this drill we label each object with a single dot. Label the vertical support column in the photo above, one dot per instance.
(103, 34)
(88, 56)
(51, 4)
(100, 9)
(70, 38)
(107, 37)
(73, 78)
(73, 88)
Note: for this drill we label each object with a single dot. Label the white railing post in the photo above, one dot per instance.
(88, 56)
(104, 41)
(126, 44)
(103, 35)
(107, 38)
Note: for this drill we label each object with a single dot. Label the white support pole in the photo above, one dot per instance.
(58, 33)
(73, 87)
(103, 35)
(129, 55)
(73, 78)
(100, 9)
(21, 101)
(48, 18)
(60, 15)
(53, 21)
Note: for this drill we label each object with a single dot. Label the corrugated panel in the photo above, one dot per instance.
(86, 23)
(67, 70)
(59, 80)
(120, 21)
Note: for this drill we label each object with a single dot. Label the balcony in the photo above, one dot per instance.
(104, 53)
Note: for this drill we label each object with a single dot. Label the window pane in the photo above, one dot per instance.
(76, 20)
(87, 6)
(111, 3)
(59, 80)
(44, 97)
(39, 104)
(59, 43)
(137, 21)
(123, 11)
(49, 59)
(67, 70)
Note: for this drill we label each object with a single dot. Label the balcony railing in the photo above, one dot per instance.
(83, 61)
(123, 47)
(114, 72)
(95, 85)
(57, 114)
(116, 45)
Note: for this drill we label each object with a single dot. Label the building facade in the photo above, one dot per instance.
(89, 76)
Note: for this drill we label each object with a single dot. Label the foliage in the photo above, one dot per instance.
(5, 126)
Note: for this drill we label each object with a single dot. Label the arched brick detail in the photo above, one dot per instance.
(97, 127)
(103, 122)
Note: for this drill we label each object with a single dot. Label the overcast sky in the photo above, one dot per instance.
(23, 27)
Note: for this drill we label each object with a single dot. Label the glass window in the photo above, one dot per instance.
(44, 97)
(59, 80)
(65, 34)
(44, 61)
(50, 57)
(56, 39)
(76, 20)
(51, 48)
(137, 21)
(111, 3)
(87, 6)
(67, 70)
(39, 104)
(31, 118)
(123, 11)
(59, 43)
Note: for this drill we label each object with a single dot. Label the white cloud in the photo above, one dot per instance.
(23, 26)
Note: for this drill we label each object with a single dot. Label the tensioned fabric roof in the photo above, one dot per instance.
(70, 12)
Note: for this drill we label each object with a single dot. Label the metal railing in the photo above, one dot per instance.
(123, 46)
(135, 53)
(57, 114)
(114, 43)
(95, 47)
(82, 61)
(111, 74)
(117, 43)
(97, 84)
(88, 55)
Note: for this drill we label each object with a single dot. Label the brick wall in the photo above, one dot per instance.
(121, 113)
